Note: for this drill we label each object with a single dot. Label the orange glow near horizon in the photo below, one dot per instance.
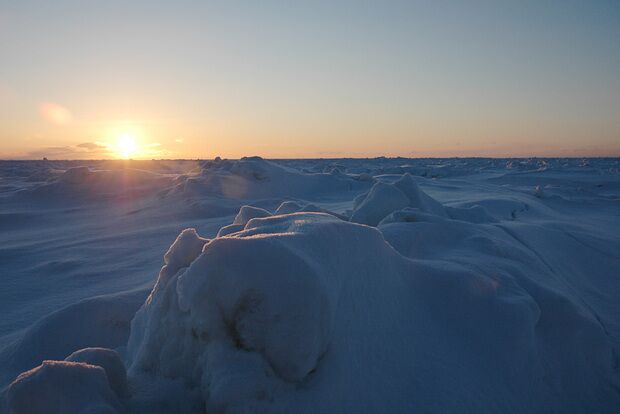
(126, 146)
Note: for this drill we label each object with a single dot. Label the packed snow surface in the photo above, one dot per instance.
(374, 285)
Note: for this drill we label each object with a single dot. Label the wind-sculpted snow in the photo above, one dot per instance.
(490, 289)
(384, 198)
(111, 363)
(273, 318)
(254, 177)
(247, 316)
(96, 322)
(403, 200)
(83, 184)
(246, 213)
(58, 387)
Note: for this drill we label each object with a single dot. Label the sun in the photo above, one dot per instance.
(126, 145)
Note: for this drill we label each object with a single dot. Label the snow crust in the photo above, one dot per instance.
(385, 198)
(102, 321)
(275, 306)
(254, 177)
(384, 285)
(58, 387)
(110, 361)
(84, 184)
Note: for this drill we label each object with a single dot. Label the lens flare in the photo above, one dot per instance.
(54, 113)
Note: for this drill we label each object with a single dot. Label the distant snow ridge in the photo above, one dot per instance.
(245, 214)
(81, 183)
(385, 201)
(384, 198)
(403, 200)
(254, 177)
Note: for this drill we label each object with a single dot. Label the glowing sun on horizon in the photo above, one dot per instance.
(126, 145)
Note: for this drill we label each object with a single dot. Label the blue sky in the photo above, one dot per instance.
(308, 79)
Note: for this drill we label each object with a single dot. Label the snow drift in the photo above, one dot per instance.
(96, 322)
(499, 298)
(271, 318)
(62, 387)
(254, 177)
(82, 183)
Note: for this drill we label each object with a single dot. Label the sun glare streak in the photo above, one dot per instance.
(126, 145)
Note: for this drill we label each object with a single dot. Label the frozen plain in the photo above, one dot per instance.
(350, 285)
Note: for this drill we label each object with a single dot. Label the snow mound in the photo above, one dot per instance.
(184, 249)
(247, 313)
(274, 319)
(96, 322)
(403, 200)
(83, 184)
(57, 387)
(304, 312)
(288, 207)
(110, 361)
(76, 175)
(245, 214)
(385, 198)
(254, 177)
(382, 199)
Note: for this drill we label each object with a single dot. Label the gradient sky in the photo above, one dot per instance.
(192, 79)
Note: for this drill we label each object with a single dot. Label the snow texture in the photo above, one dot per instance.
(377, 285)
(58, 387)
(384, 198)
(110, 361)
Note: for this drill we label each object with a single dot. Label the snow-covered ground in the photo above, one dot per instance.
(350, 285)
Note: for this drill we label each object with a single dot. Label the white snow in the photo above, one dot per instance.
(101, 321)
(385, 198)
(383, 285)
(246, 213)
(253, 177)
